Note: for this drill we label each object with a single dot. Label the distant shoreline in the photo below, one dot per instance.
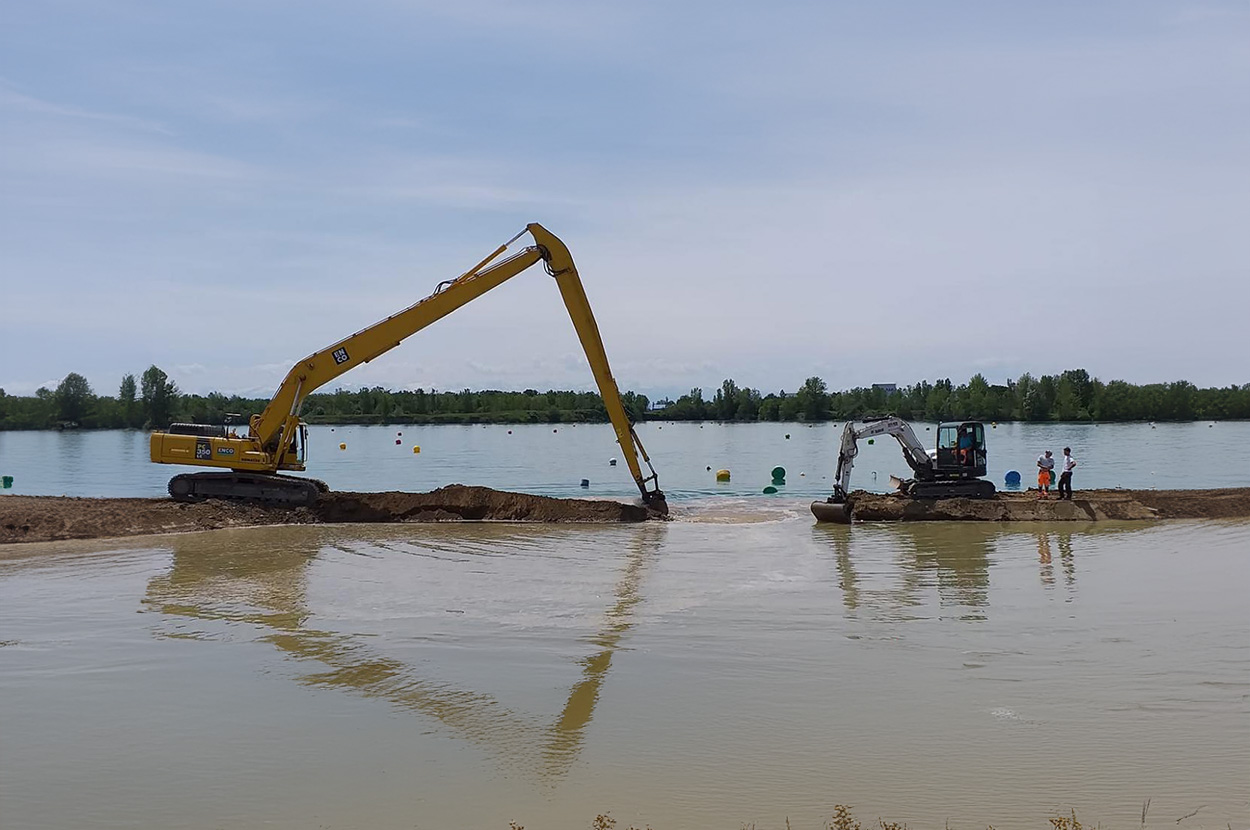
(500, 419)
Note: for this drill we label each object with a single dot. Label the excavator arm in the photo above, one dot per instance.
(914, 452)
(273, 432)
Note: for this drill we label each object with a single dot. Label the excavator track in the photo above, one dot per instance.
(974, 488)
(257, 488)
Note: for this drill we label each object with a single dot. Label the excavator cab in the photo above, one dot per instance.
(960, 450)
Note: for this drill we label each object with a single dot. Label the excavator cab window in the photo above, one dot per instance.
(948, 445)
(971, 452)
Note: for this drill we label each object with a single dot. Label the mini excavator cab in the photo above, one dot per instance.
(960, 450)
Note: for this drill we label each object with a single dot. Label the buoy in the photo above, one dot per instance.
(787, 436)
(400, 434)
(555, 430)
(416, 449)
(612, 463)
(6, 482)
(872, 440)
(1012, 478)
(779, 475)
(585, 482)
(342, 446)
(769, 490)
(709, 469)
(397, 441)
(509, 432)
(802, 475)
(722, 475)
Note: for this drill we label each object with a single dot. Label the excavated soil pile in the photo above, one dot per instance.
(49, 518)
(459, 503)
(1086, 505)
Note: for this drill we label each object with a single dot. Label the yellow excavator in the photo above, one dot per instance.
(277, 439)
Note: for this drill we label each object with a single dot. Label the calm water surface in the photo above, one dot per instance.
(738, 665)
(553, 460)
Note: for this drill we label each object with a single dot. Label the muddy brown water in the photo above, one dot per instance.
(736, 665)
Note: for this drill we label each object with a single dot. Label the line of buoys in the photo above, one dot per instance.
(722, 475)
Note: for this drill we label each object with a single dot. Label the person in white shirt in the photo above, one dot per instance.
(1045, 464)
(1065, 477)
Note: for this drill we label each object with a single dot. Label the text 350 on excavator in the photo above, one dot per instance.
(277, 439)
(953, 469)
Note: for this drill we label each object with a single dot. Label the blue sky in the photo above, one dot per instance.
(869, 192)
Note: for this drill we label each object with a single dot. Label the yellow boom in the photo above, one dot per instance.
(276, 438)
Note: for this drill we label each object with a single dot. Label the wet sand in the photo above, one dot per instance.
(1086, 505)
(51, 518)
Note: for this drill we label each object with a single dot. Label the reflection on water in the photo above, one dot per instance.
(954, 560)
(459, 676)
(262, 580)
(893, 566)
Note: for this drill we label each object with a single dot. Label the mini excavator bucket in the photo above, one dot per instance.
(828, 511)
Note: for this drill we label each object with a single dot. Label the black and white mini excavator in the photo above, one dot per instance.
(953, 470)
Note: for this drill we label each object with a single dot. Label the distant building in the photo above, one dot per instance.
(887, 388)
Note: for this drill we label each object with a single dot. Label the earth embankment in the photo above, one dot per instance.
(1086, 505)
(51, 518)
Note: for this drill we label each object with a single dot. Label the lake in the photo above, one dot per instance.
(737, 666)
(553, 459)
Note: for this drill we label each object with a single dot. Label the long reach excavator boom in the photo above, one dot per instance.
(276, 438)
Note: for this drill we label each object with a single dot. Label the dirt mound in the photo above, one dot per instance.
(50, 518)
(460, 503)
(1086, 505)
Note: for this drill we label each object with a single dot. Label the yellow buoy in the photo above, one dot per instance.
(342, 446)
(722, 475)
(416, 448)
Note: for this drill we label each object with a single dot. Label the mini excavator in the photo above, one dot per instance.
(952, 470)
(276, 440)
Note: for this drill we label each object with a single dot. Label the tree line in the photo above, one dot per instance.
(154, 401)
(1069, 396)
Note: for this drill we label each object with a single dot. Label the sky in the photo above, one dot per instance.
(867, 192)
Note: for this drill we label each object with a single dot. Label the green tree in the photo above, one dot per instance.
(725, 401)
(812, 399)
(126, 401)
(159, 396)
(73, 398)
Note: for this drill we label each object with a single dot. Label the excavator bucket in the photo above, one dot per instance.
(838, 513)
